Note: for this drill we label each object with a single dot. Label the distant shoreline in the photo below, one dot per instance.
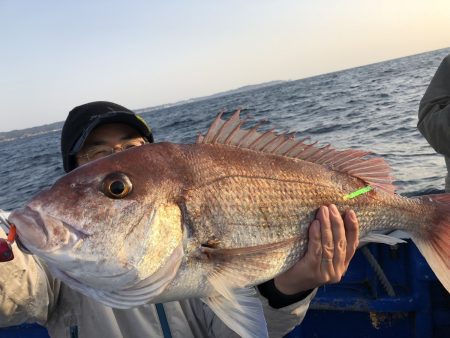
(57, 126)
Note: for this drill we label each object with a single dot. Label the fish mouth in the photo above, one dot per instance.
(33, 230)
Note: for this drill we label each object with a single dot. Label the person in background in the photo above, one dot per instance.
(434, 114)
(29, 293)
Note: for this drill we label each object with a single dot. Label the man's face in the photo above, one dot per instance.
(108, 139)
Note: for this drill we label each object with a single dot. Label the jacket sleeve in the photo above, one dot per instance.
(27, 291)
(434, 110)
(281, 321)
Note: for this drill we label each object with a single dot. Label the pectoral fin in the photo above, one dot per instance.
(373, 237)
(235, 271)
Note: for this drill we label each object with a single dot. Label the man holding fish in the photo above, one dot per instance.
(29, 292)
(198, 227)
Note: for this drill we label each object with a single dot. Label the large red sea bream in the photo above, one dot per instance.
(212, 219)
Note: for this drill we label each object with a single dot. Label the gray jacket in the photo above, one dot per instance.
(434, 114)
(28, 293)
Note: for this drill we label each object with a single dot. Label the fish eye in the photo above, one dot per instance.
(116, 185)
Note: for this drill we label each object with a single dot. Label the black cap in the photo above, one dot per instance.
(83, 119)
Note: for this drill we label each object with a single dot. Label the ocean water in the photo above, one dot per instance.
(372, 107)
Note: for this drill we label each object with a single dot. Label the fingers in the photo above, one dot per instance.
(314, 251)
(352, 235)
(340, 243)
(332, 242)
(339, 239)
(326, 266)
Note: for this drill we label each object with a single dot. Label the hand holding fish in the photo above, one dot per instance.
(332, 242)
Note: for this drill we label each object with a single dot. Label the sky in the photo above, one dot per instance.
(55, 55)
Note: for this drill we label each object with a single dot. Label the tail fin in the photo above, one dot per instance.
(434, 242)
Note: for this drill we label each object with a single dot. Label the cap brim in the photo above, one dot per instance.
(125, 118)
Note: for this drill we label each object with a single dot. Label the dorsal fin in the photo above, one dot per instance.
(374, 171)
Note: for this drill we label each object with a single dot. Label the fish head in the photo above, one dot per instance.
(109, 224)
